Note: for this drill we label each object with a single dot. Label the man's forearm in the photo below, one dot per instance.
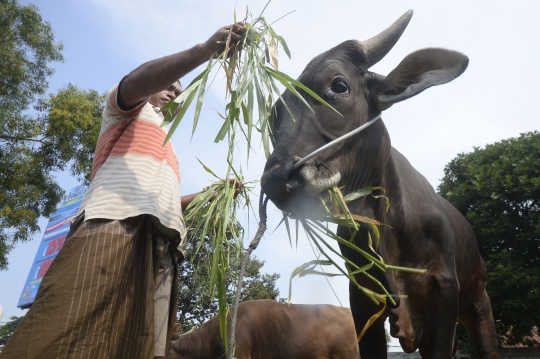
(186, 200)
(156, 75)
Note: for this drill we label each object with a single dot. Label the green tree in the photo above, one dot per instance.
(497, 189)
(61, 134)
(70, 122)
(26, 47)
(196, 304)
(7, 329)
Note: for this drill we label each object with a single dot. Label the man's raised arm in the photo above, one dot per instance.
(156, 75)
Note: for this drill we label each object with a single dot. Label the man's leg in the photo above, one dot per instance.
(163, 273)
(95, 300)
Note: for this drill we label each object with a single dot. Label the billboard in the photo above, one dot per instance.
(52, 241)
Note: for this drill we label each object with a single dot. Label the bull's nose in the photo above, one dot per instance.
(275, 179)
(292, 185)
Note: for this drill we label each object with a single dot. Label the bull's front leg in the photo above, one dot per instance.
(373, 343)
(442, 313)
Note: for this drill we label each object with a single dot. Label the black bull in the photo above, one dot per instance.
(426, 231)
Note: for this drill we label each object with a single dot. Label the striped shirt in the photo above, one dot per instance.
(133, 173)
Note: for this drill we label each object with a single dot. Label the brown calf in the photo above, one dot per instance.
(271, 330)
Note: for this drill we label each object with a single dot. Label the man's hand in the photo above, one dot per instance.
(239, 186)
(185, 201)
(216, 43)
(157, 75)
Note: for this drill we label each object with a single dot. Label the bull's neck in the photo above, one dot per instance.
(375, 167)
(384, 176)
(393, 187)
(369, 161)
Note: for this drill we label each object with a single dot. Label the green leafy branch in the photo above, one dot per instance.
(252, 75)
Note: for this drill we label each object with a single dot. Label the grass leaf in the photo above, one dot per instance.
(200, 97)
(360, 193)
(179, 116)
(303, 87)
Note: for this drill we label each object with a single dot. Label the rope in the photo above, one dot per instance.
(336, 141)
(252, 246)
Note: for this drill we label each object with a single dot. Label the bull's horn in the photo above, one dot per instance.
(378, 46)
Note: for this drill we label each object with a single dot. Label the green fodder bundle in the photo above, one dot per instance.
(251, 80)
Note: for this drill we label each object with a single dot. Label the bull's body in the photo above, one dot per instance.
(267, 329)
(426, 231)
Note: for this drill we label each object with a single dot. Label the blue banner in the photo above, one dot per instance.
(53, 240)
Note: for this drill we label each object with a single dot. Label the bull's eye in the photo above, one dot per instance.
(340, 86)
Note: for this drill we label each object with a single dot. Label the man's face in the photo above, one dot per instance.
(163, 97)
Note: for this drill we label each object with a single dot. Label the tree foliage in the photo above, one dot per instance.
(62, 134)
(7, 329)
(69, 123)
(497, 189)
(26, 47)
(59, 131)
(196, 304)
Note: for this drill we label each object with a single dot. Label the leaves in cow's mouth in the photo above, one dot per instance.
(309, 269)
(338, 212)
(251, 73)
(334, 204)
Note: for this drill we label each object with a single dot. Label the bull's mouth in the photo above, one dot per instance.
(297, 191)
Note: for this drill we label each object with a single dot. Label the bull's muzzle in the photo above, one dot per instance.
(292, 189)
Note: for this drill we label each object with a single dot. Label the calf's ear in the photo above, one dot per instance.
(419, 71)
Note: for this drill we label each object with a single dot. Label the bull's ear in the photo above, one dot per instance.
(419, 71)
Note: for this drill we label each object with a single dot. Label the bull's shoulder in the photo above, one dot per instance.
(317, 321)
(413, 200)
(267, 311)
(411, 182)
(422, 216)
(418, 194)
(462, 230)
(322, 313)
(418, 211)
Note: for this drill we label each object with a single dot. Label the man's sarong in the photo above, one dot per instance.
(97, 298)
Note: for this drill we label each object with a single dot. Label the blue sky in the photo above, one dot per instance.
(496, 98)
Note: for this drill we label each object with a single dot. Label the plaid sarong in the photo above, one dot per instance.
(97, 298)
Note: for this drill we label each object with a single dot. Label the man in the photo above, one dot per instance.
(111, 292)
